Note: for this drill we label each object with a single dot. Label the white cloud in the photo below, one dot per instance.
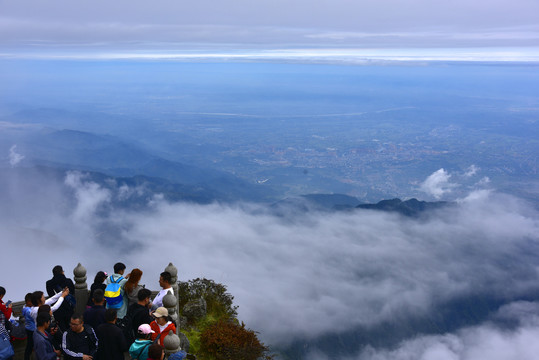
(301, 276)
(375, 24)
(471, 171)
(14, 157)
(487, 341)
(89, 196)
(484, 181)
(437, 184)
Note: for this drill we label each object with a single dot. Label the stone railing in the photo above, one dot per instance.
(171, 342)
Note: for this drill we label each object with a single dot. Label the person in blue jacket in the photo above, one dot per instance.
(42, 343)
(30, 326)
(139, 349)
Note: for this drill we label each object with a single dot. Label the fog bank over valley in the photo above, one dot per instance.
(297, 278)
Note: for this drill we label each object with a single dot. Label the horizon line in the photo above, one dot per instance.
(308, 55)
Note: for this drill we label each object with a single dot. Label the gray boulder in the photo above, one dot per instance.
(195, 309)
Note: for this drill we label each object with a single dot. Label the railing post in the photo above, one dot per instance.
(174, 273)
(81, 288)
(170, 301)
(171, 343)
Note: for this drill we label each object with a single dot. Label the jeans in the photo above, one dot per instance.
(29, 344)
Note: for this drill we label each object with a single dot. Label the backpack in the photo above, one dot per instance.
(18, 331)
(180, 355)
(126, 325)
(113, 294)
(6, 350)
(71, 301)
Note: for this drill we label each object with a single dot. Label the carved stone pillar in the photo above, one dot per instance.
(81, 288)
(171, 343)
(174, 283)
(170, 302)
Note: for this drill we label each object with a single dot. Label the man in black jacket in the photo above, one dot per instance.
(139, 313)
(80, 341)
(95, 315)
(55, 285)
(112, 344)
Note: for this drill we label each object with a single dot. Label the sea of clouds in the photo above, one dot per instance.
(296, 277)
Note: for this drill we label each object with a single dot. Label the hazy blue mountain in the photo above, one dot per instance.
(332, 200)
(79, 150)
(411, 207)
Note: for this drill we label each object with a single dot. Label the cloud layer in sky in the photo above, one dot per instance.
(269, 24)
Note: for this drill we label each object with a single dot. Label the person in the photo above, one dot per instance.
(99, 280)
(139, 349)
(80, 341)
(38, 299)
(132, 286)
(56, 285)
(55, 334)
(139, 313)
(5, 313)
(117, 277)
(95, 315)
(119, 270)
(165, 280)
(43, 349)
(162, 325)
(112, 344)
(156, 352)
(29, 325)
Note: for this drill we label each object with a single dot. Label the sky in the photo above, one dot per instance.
(87, 28)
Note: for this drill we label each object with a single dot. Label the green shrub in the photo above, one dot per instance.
(218, 300)
(218, 336)
(226, 340)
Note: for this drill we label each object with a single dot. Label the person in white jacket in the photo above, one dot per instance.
(165, 280)
(38, 299)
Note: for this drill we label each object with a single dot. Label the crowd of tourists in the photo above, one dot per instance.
(120, 317)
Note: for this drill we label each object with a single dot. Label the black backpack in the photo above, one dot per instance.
(126, 325)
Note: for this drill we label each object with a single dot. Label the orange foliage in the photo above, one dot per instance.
(226, 340)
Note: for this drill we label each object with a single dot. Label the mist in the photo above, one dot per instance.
(297, 277)
(488, 340)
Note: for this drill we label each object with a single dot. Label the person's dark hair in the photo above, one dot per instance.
(99, 296)
(144, 336)
(166, 277)
(36, 297)
(119, 267)
(155, 351)
(44, 308)
(143, 294)
(2, 291)
(100, 277)
(110, 315)
(57, 270)
(28, 297)
(42, 318)
(77, 317)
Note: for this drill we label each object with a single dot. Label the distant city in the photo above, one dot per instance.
(372, 132)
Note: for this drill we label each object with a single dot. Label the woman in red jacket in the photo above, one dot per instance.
(162, 325)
